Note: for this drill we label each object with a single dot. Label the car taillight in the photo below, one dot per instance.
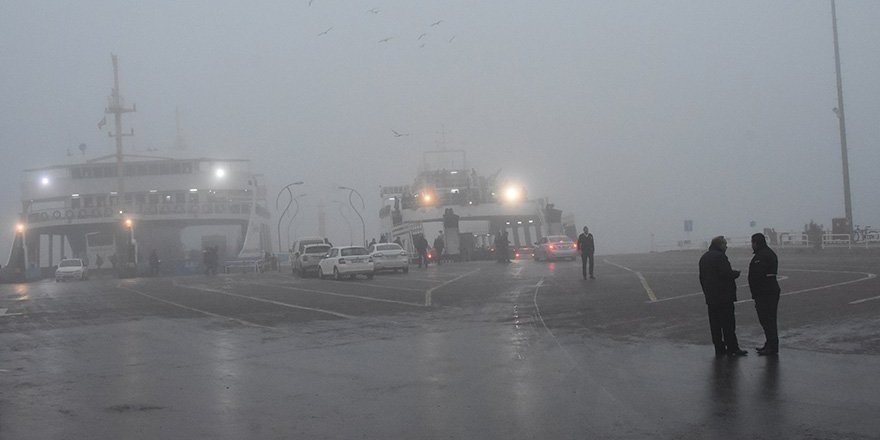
(574, 245)
(342, 261)
(552, 247)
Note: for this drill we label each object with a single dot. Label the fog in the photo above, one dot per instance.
(633, 116)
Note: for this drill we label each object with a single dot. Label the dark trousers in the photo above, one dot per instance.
(423, 257)
(584, 257)
(722, 322)
(766, 307)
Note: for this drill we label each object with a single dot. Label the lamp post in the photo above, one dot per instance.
(290, 193)
(348, 223)
(363, 206)
(847, 198)
(295, 212)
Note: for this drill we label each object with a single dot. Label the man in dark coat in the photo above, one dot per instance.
(765, 291)
(421, 245)
(587, 246)
(718, 281)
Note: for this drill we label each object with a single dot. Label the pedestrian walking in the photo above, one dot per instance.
(154, 263)
(439, 245)
(421, 245)
(587, 245)
(718, 281)
(98, 261)
(765, 291)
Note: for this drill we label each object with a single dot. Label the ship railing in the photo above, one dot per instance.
(188, 210)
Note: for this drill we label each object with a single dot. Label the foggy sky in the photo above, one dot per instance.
(634, 116)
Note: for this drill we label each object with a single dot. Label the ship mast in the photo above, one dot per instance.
(116, 108)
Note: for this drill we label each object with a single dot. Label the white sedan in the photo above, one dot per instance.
(346, 261)
(71, 268)
(389, 256)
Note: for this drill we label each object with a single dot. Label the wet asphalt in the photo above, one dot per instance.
(475, 350)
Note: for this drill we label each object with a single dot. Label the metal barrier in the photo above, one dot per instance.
(245, 265)
(793, 239)
(836, 240)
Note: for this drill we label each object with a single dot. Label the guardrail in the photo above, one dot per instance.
(244, 265)
(189, 210)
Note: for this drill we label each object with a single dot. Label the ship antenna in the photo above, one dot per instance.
(116, 108)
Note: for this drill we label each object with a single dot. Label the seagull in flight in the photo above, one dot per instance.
(397, 135)
(437, 23)
(310, 2)
(453, 37)
(421, 36)
(374, 11)
(325, 32)
(385, 40)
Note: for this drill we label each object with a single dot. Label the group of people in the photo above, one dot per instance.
(502, 247)
(420, 243)
(718, 280)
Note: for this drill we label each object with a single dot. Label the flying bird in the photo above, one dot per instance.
(437, 23)
(397, 135)
(374, 11)
(385, 40)
(453, 37)
(325, 32)
(421, 36)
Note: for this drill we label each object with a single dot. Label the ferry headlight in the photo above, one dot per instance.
(19, 228)
(45, 181)
(513, 193)
(220, 173)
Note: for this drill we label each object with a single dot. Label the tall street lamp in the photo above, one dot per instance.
(290, 193)
(295, 212)
(348, 223)
(363, 206)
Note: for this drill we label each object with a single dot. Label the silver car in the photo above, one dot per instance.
(389, 256)
(71, 269)
(306, 262)
(555, 247)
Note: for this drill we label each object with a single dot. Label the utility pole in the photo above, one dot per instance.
(847, 198)
(116, 108)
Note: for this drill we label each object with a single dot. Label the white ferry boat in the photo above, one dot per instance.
(470, 210)
(118, 209)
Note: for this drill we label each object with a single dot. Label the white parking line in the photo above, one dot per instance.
(648, 290)
(430, 291)
(193, 309)
(268, 301)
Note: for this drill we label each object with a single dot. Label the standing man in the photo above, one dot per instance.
(439, 245)
(587, 246)
(718, 281)
(421, 245)
(765, 292)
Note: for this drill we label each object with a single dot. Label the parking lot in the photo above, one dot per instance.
(462, 350)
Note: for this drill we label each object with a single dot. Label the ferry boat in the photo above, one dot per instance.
(120, 208)
(469, 209)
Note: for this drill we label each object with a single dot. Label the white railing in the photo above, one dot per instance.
(793, 239)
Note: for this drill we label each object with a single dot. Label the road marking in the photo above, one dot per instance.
(408, 289)
(193, 309)
(642, 279)
(343, 295)
(859, 301)
(738, 286)
(3, 313)
(430, 291)
(268, 301)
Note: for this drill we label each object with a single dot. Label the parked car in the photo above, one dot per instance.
(71, 268)
(523, 252)
(346, 261)
(306, 262)
(301, 243)
(389, 256)
(555, 247)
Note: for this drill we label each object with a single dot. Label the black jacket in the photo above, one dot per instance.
(762, 273)
(717, 278)
(586, 244)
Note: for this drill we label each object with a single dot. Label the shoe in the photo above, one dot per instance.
(737, 352)
(768, 352)
(592, 277)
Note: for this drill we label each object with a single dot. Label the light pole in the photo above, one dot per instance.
(295, 212)
(290, 193)
(348, 223)
(847, 199)
(363, 206)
